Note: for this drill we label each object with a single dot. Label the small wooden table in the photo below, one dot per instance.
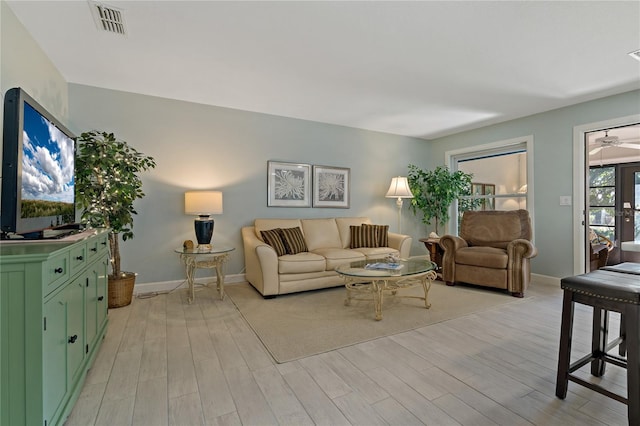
(435, 251)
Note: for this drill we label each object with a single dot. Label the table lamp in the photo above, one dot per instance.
(203, 204)
(399, 189)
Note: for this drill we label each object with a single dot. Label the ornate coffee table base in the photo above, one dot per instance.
(378, 286)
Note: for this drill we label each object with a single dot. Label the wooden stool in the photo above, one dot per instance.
(604, 290)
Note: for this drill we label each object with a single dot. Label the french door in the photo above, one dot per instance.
(630, 209)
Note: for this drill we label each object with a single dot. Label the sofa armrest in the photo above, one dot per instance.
(401, 242)
(450, 244)
(261, 263)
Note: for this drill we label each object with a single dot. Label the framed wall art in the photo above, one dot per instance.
(331, 187)
(288, 184)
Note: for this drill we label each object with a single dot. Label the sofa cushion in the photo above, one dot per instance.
(363, 236)
(486, 257)
(320, 233)
(301, 263)
(377, 252)
(293, 240)
(273, 238)
(338, 256)
(383, 234)
(344, 228)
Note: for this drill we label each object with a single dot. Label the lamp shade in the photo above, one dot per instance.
(399, 188)
(203, 203)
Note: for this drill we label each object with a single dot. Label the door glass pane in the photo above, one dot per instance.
(602, 216)
(602, 196)
(602, 176)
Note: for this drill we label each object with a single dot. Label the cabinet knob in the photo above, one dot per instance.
(58, 270)
(79, 258)
(73, 338)
(101, 298)
(94, 249)
(104, 243)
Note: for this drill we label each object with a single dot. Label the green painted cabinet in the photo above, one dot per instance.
(53, 317)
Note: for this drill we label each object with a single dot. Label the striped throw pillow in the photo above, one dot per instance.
(273, 238)
(293, 240)
(383, 234)
(362, 236)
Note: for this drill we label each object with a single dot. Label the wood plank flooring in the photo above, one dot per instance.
(165, 362)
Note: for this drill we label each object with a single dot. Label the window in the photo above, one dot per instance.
(503, 168)
(602, 201)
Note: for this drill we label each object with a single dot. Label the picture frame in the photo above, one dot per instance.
(490, 189)
(331, 187)
(288, 184)
(482, 190)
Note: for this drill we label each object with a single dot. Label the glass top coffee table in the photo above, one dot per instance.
(380, 276)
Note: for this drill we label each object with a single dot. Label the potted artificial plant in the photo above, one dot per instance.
(107, 184)
(435, 190)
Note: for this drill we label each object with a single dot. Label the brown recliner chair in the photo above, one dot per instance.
(493, 250)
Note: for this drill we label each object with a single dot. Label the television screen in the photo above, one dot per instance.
(47, 168)
(37, 169)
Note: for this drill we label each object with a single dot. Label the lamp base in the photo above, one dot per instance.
(204, 231)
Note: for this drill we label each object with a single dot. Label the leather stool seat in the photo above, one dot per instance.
(616, 289)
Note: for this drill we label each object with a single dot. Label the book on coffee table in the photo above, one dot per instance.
(384, 266)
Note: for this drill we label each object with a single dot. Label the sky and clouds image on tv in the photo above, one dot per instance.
(47, 167)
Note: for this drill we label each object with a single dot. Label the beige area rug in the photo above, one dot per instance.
(297, 325)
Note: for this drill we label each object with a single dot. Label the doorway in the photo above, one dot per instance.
(613, 159)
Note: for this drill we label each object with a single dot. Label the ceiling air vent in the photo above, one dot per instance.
(635, 55)
(108, 18)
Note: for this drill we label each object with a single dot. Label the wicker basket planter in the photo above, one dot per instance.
(121, 290)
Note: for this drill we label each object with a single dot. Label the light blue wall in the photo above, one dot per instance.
(552, 167)
(24, 64)
(204, 147)
(201, 146)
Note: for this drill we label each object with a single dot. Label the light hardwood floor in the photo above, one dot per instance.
(164, 361)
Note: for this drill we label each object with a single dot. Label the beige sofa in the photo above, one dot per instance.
(328, 243)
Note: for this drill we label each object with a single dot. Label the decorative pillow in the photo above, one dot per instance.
(273, 238)
(293, 240)
(383, 234)
(363, 236)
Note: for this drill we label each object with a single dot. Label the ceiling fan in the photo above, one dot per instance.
(607, 141)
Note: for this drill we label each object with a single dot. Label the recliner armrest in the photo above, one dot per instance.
(521, 248)
(450, 244)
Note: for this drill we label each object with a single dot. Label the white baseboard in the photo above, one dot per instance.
(546, 280)
(165, 286)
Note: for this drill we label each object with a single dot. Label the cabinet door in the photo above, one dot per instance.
(91, 307)
(55, 358)
(103, 303)
(75, 327)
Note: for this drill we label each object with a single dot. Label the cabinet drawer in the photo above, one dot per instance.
(97, 246)
(56, 272)
(78, 258)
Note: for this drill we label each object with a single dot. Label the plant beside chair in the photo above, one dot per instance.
(435, 190)
(107, 184)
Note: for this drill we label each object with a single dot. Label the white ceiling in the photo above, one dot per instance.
(422, 69)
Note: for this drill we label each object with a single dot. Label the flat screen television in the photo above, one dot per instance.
(38, 161)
